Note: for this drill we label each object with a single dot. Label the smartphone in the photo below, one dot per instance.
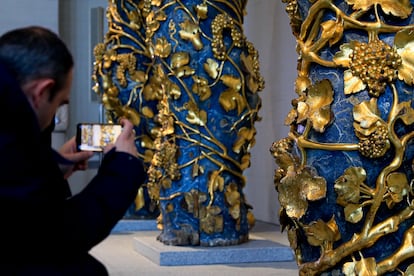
(94, 136)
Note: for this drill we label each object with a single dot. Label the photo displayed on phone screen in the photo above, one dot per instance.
(94, 137)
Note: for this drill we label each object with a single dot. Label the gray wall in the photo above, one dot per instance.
(266, 25)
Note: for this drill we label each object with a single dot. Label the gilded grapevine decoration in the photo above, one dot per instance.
(187, 76)
(345, 171)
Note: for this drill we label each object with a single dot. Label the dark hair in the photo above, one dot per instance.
(36, 52)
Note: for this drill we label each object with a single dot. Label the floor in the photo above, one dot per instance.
(119, 255)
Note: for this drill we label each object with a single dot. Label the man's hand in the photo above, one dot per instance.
(79, 158)
(126, 140)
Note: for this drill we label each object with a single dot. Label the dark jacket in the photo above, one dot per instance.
(45, 230)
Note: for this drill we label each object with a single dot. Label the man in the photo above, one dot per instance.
(44, 229)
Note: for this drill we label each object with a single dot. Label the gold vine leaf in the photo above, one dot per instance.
(196, 116)
(202, 10)
(201, 88)
(347, 186)
(179, 59)
(212, 68)
(332, 30)
(233, 198)
(365, 266)
(248, 65)
(367, 117)
(319, 233)
(193, 201)
(316, 107)
(211, 219)
(190, 31)
(299, 186)
(244, 135)
(401, 8)
(215, 183)
(406, 112)
(404, 44)
(410, 270)
(352, 84)
(162, 47)
(398, 187)
(231, 98)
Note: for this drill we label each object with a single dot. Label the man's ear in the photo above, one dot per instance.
(38, 91)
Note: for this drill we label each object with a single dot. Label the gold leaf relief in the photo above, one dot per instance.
(110, 103)
(162, 47)
(342, 56)
(135, 19)
(231, 82)
(201, 88)
(216, 183)
(151, 92)
(197, 118)
(197, 170)
(184, 71)
(151, 22)
(248, 65)
(212, 68)
(231, 99)
(282, 151)
(366, 114)
(332, 31)
(202, 10)
(160, 15)
(290, 188)
(166, 183)
(404, 43)
(179, 59)
(319, 99)
(231, 194)
(245, 162)
(190, 31)
(353, 213)
(194, 200)
(148, 155)
(347, 186)
(406, 113)
(352, 84)
(365, 266)
(291, 117)
(302, 84)
(401, 8)
(147, 142)
(147, 112)
(244, 135)
(212, 221)
(319, 232)
(398, 187)
(139, 77)
(302, 111)
(174, 90)
(156, 3)
(410, 270)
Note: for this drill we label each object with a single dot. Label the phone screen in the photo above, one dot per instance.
(94, 137)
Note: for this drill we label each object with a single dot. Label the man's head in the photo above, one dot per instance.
(42, 65)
